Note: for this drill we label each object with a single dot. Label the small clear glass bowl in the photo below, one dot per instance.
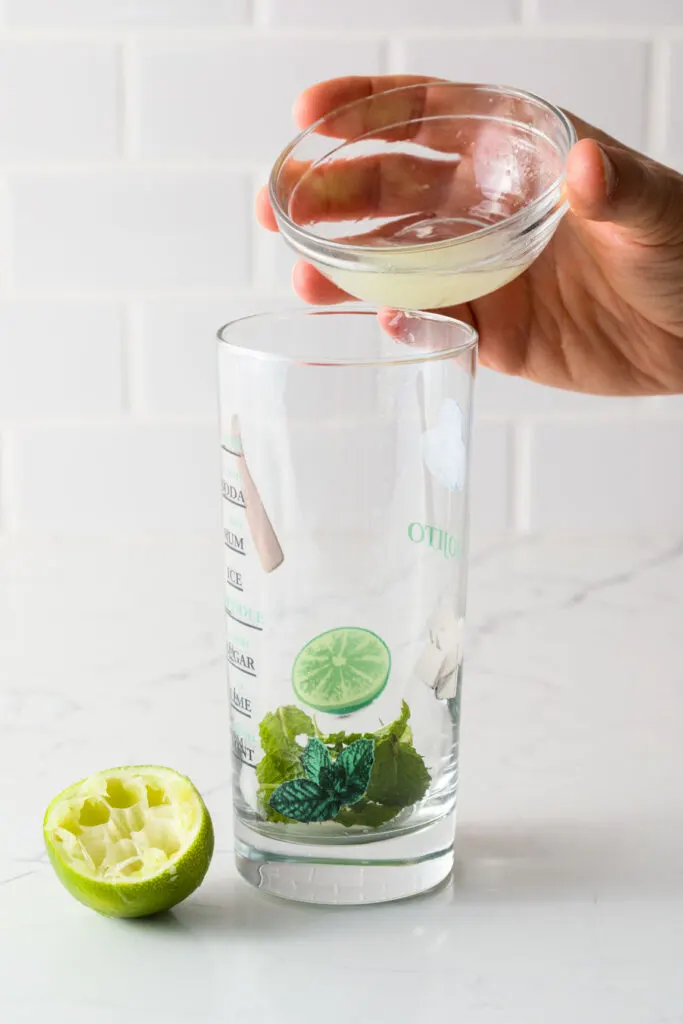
(428, 195)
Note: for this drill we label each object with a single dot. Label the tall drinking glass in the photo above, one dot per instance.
(345, 440)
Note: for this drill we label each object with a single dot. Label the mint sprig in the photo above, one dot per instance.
(329, 785)
(352, 778)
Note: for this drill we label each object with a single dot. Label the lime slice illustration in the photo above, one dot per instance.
(342, 670)
(130, 842)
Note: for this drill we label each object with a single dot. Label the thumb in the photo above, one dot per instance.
(607, 183)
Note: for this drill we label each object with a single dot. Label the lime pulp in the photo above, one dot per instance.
(130, 842)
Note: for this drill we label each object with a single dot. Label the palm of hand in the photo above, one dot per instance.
(596, 312)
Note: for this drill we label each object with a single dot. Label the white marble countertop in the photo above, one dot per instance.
(567, 903)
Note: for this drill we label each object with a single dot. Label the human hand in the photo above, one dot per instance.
(601, 309)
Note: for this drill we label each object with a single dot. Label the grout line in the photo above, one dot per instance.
(139, 414)
(259, 13)
(383, 47)
(111, 421)
(520, 477)
(9, 517)
(6, 239)
(133, 362)
(161, 165)
(520, 434)
(127, 339)
(395, 55)
(170, 295)
(128, 133)
(528, 12)
(658, 98)
(254, 254)
(220, 34)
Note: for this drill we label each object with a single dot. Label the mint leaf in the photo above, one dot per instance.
(271, 771)
(352, 771)
(398, 729)
(343, 739)
(278, 730)
(399, 777)
(278, 767)
(315, 759)
(354, 778)
(304, 800)
(366, 814)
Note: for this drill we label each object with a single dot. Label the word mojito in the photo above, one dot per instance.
(433, 537)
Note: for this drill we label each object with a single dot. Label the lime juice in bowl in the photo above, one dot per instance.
(425, 196)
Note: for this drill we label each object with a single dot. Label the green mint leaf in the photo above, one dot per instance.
(336, 741)
(304, 800)
(399, 776)
(315, 759)
(279, 729)
(399, 728)
(271, 771)
(352, 771)
(278, 767)
(366, 814)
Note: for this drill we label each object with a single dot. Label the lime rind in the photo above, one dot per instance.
(342, 670)
(130, 842)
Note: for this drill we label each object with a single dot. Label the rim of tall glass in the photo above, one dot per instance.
(420, 355)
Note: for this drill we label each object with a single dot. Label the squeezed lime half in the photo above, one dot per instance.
(342, 670)
(130, 842)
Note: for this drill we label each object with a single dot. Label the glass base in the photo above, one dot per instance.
(389, 869)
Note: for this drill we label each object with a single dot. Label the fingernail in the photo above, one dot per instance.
(609, 172)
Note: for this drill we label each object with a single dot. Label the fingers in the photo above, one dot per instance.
(608, 183)
(393, 107)
(381, 185)
(264, 211)
(320, 99)
(313, 287)
(400, 325)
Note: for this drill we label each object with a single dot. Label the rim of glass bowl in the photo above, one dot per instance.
(470, 334)
(568, 139)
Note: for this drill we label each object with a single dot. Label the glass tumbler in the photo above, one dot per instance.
(345, 440)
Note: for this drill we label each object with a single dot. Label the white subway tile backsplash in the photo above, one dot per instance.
(117, 478)
(5, 234)
(500, 395)
(178, 351)
(274, 261)
(613, 12)
(60, 359)
(600, 80)
(58, 100)
(131, 229)
(674, 136)
(132, 133)
(390, 14)
(619, 477)
(234, 98)
(490, 495)
(113, 13)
